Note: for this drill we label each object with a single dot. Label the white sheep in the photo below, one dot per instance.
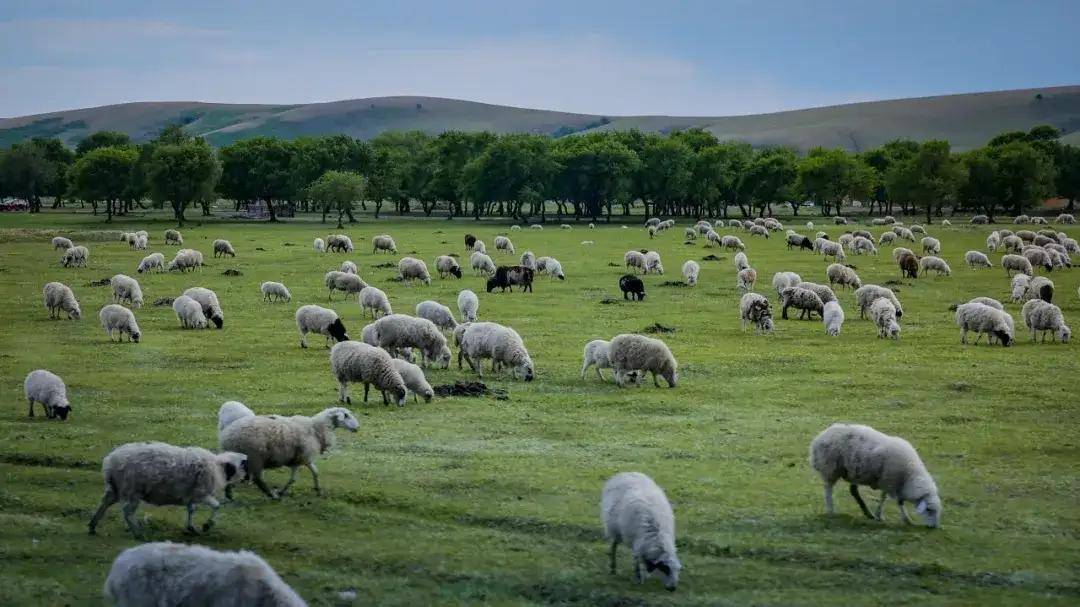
(115, 317)
(981, 318)
(414, 379)
(712, 237)
(782, 280)
(937, 264)
(479, 247)
(1065, 218)
(481, 263)
(653, 264)
(690, 233)
(1016, 263)
(833, 317)
(1038, 256)
(899, 252)
(823, 291)
(553, 267)
(631, 352)
(446, 265)
(755, 309)
(988, 301)
(861, 455)
(883, 313)
(209, 302)
(993, 241)
(515, 228)
(732, 243)
(862, 245)
(741, 262)
(173, 237)
(223, 247)
(690, 271)
(528, 260)
(349, 267)
(468, 305)
(275, 291)
(846, 240)
(1043, 316)
(918, 229)
(980, 219)
(189, 312)
(166, 475)
(353, 361)
(60, 242)
(163, 573)
(126, 288)
(503, 243)
(1012, 243)
(374, 299)
(977, 259)
(153, 261)
(324, 321)
(185, 259)
(759, 231)
(635, 511)
(636, 260)
(745, 279)
(342, 281)
(537, 226)
(395, 331)
(501, 344)
(833, 249)
(59, 297)
(230, 411)
(45, 387)
(597, 352)
(141, 243)
(413, 269)
(1039, 287)
(866, 295)
(437, 313)
(319, 245)
(842, 275)
(75, 257)
(886, 238)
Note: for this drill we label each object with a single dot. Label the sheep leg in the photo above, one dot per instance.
(106, 500)
(828, 499)
(858, 498)
(963, 335)
(656, 382)
(903, 511)
(292, 479)
(303, 339)
(315, 477)
(261, 484)
(638, 576)
(129, 517)
(584, 368)
(978, 336)
(214, 505)
(881, 507)
(367, 388)
(190, 528)
(614, 545)
(343, 393)
(31, 408)
(599, 373)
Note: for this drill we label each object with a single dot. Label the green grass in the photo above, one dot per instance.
(484, 501)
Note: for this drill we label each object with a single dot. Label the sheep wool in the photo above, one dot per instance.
(1016, 263)
(468, 305)
(447, 266)
(358, 362)
(653, 264)
(503, 345)
(402, 331)
(802, 299)
(981, 318)
(824, 292)
(937, 264)
(1042, 316)
(324, 321)
(931, 245)
(173, 237)
(833, 317)
(414, 379)
(839, 274)
(223, 247)
(59, 297)
(153, 261)
(630, 352)
(635, 259)
(782, 280)
(755, 309)
(115, 317)
(189, 312)
(126, 288)
(231, 411)
(745, 279)
(45, 387)
(503, 243)
(374, 299)
(634, 511)
(209, 302)
(553, 267)
(319, 245)
(690, 271)
(339, 243)
(741, 262)
(437, 313)
(413, 269)
(275, 291)
(75, 257)
(883, 313)
(481, 264)
(977, 259)
(60, 242)
(866, 295)
(597, 352)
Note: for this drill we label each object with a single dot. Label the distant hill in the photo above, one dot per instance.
(967, 120)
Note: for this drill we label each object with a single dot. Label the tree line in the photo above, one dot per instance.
(529, 177)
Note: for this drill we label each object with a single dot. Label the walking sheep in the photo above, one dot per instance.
(126, 288)
(833, 317)
(732, 243)
(883, 313)
(755, 309)
(115, 317)
(275, 291)
(1043, 316)
(223, 247)
(339, 243)
(341, 281)
(635, 259)
(324, 321)
(597, 352)
(374, 299)
(414, 379)
(45, 387)
(981, 318)
(59, 297)
(468, 305)
(834, 250)
(635, 511)
(352, 361)
(185, 259)
(189, 312)
(741, 262)
(413, 269)
(630, 352)
(230, 411)
(209, 302)
(690, 271)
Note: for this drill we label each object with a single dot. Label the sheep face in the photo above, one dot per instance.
(456, 271)
(337, 331)
(667, 569)
(767, 324)
(1004, 337)
(234, 466)
(135, 335)
(1064, 334)
(524, 370)
(62, 411)
(442, 358)
(929, 508)
(341, 417)
(218, 321)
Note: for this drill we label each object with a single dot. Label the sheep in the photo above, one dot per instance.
(126, 288)
(189, 312)
(993, 241)
(339, 243)
(341, 281)
(635, 511)
(231, 411)
(834, 250)
(712, 237)
(223, 247)
(436, 313)
(936, 264)
(166, 475)
(866, 295)
(755, 309)
(1038, 257)
(468, 305)
(59, 296)
(76, 256)
(802, 299)
(185, 259)
(980, 219)
(209, 302)
(901, 251)
(324, 321)
(163, 573)
(842, 275)
(988, 301)
(1058, 259)
(759, 231)
(1026, 235)
(977, 259)
(747, 224)
(414, 379)
(883, 313)
(846, 239)
(141, 243)
(1071, 245)
(838, 220)
(597, 352)
(1065, 218)
(413, 269)
(470, 240)
(115, 317)
(277, 441)
(809, 226)
(909, 265)
(652, 221)
(690, 234)
(1003, 232)
(630, 352)
(733, 243)
(506, 277)
(1042, 241)
(501, 344)
(1016, 263)
(745, 279)
(479, 247)
(503, 243)
(1040, 315)
(319, 245)
(782, 280)
(773, 224)
(592, 226)
(1021, 219)
(981, 318)
(446, 266)
(918, 229)
(1038, 221)
(690, 271)
(553, 267)
(374, 299)
(275, 291)
(632, 285)
(877, 221)
(931, 245)
(905, 234)
(60, 242)
(349, 267)
(528, 260)
(861, 455)
(1040, 287)
(1019, 285)
(740, 261)
(481, 264)
(824, 292)
(537, 226)
(1012, 243)
(863, 245)
(653, 264)
(798, 240)
(45, 387)
(403, 331)
(153, 261)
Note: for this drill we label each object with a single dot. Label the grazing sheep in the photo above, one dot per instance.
(866, 295)
(936, 264)
(75, 257)
(189, 312)
(745, 279)
(901, 251)
(1019, 285)
(126, 288)
(982, 318)
(800, 241)
(353, 361)
(468, 305)
(339, 243)
(755, 309)
(1026, 235)
(838, 220)
(341, 281)
(153, 261)
(993, 242)
(988, 301)
(349, 267)
(635, 511)
(782, 280)
(447, 266)
(503, 243)
(1012, 243)
(470, 240)
(1038, 221)
(834, 250)
(653, 264)
(690, 271)
(374, 299)
(733, 243)
(1038, 257)
(437, 313)
(140, 243)
(863, 245)
(319, 245)
(690, 234)
(165, 475)
(414, 379)
(45, 387)
(931, 245)
(115, 317)
(712, 237)
(1016, 263)
(1042, 241)
(980, 219)
(883, 313)
(553, 267)
(60, 242)
(632, 285)
(209, 302)
(275, 291)
(173, 237)
(597, 352)
(824, 292)
(1021, 219)
(402, 331)
(59, 296)
(481, 264)
(846, 239)
(528, 260)
(1040, 287)
(631, 352)
(809, 226)
(411, 268)
(185, 259)
(740, 261)
(1065, 218)
(163, 573)
(861, 455)
(833, 317)
(479, 247)
(506, 277)
(977, 259)
(909, 265)
(804, 300)
(1003, 232)
(918, 229)
(537, 226)
(842, 275)
(652, 221)
(223, 247)
(1040, 315)
(759, 231)
(324, 321)
(501, 344)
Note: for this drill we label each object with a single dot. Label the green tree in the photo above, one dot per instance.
(337, 191)
(182, 174)
(978, 184)
(594, 172)
(666, 167)
(1068, 174)
(770, 178)
(35, 169)
(1025, 175)
(880, 161)
(929, 179)
(450, 152)
(828, 177)
(258, 169)
(513, 164)
(102, 139)
(104, 175)
(407, 158)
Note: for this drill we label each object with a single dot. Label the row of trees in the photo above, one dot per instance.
(686, 173)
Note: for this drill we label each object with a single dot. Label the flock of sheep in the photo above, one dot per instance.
(395, 349)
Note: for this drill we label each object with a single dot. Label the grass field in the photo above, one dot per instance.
(486, 501)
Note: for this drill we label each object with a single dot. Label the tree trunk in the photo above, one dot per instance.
(340, 214)
(270, 209)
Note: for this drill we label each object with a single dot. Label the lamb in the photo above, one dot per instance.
(630, 352)
(863, 245)
(745, 279)
(115, 317)
(754, 309)
(653, 264)
(223, 247)
(740, 261)
(931, 245)
(75, 257)
(635, 511)
(60, 242)
(166, 475)
(275, 291)
(690, 271)
(1016, 263)
(189, 312)
(833, 317)
(866, 295)
(883, 313)
(861, 455)
(528, 260)
(833, 249)
(185, 259)
(413, 269)
(936, 264)
(909, 265)
(324, 321)
(482, 264)
(782, 280)
(597, 352)
(163, 573)
(447, 266)
(319, 245)
(209, 302)
(1019, 285)
(414, 379)
(339, 243)
(503, 243)
(126, 288)
(824, 292)
(153, 261)
(733, 243)
(276, 441)
(552, 267)
(977, 259)
(1040, 287)
(804, 300)
(981, 318)
(1040, 315)
(403, 331)
(436, 313)
(635, 259)
(468, 304)
(842, 275)
(632, 285)
(59, 296)
(45, 387)
(341, 281)
(501, 344)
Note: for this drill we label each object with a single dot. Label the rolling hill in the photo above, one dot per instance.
(967, 120)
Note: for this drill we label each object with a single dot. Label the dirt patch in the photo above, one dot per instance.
(288, 244)
(896, 283)
(614, 265)
(658, 328)
(104, 282)
(712, 258)
(961, 386)
(259, 249)
(674, 283)
(472, 389)
(384, 265)
(690, 242)
(164, 301)
(396, 279)
(232, 272)
(607, 301)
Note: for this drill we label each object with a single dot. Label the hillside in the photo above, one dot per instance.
(967, 120)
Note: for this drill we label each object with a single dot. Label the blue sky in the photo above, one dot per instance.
(688, 58)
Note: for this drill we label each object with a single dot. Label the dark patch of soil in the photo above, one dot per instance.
(607, 301)
(470, 388)
(104, 282)
(658, 328)
(711, 258)
(164, 301)
(232, 272)
(674, 283)
(259, 249)
(384, 265)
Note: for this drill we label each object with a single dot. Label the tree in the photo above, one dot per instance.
(666, 166)
(258, 169)
(409, 154)
(104, 175)
(102, 139)
(512, 165)
(183, 174)
(337, 191)
(770, 178)
(1068, 174)
(36, 168)
(594, 170)
(978, 188)
(928, 179)
(1025, 175)
(827, 177)
(450, 152)
(880, 161)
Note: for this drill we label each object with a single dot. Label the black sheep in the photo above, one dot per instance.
(631, 284)
(470, 240)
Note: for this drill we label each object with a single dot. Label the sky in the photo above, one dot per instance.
(693, 58)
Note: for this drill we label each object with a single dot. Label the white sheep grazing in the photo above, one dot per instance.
(834, 250)
(173, 237)
(653, 264)
(862, 245)
(745, 279)
(732, 243)
(630, 352)
(374, 299)
(597, 352)
(918, 229)
(501, 344)
(887, 238)
(993, 241)
(395, 331)
(189, 312)
(481, 264)
(537, 226)
(988, 301)
(981, 318)
(839, 274)
(141, 243)
(861, 455)
(1039, 287)
(165, 475)
(866, 295)
(277, 441)
(319, 245)
(833, 317)
(59, 296)
(353, 361)
(414, 379)
(712, 237)
(1065, 218)
(75, 257)
(802, 299)
(479, 247)
(528, 260)
(1043, 316)
(822, 291)
(883, 313)
(741, 262)
(905, 234)
(446, 265)
(759, 231)
(553, 267)
(209, 302)
(348, 284)
(115, 317)
(690, 271)
(437, 313)
(223, 247)
(977, 259)
(936, 264)
(755, 309)
(1016, 263)
(186, 259)
(45, 387)
(503, 243)
(468, 305)
(635, 512)
(230, 411)
(635, 259)
(413, 269)
(153, 261)
(60, 242)
(324, 321)
(782, 280)
(809, 226)
(163, 573)
(349, 267)
(690, 233)
(126, 288)
(275, 291)
(515, 228)
(339, 243)
(1038, 257)
(383, 242)
(846, 240)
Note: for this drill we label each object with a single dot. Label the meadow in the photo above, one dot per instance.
(479, 500)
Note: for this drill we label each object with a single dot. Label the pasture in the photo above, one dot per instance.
(479, 500)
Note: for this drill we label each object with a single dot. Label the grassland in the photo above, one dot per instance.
(464, 500)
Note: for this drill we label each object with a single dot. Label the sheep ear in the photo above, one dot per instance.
(230, 470)
(921, 506)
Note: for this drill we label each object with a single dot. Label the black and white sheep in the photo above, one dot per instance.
(635, 512)
(45, 387)
(447, 266)
(324, 321)
(507, 277)
(115, 317)
(981, 318)
(59, 297)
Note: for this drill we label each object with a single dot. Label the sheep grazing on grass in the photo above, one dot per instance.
(414, 379)
(918, 229)
(630, 352)
(140, 243)
(931, 245)
(383, 242)
(275, 291)
(740, 261)
(447, 266)
(846, 239)
(60, 242)
(437, 313)
(59, 297)
(537, 226)
(635, 511)
(886, 238)
(75, 257)
(115, 317)
(690, 271)
(653, 264)
(982, 318)
(883, 313)
(184, 260)
(1019, 286)
(319, 245)
(503, 345)
(126, 288)
(993, 242)
(1039, 287)
(988, 301)
(1012, 243)
(396, 331)
(635, 259)
(977, 259)
(823, 291)
(1038, 221)
(277, 441)
(712, 237)
(745, 279)
(652, 231)
(358, 362)
(937, 264)
(980, 219)
(759, 231)
(1026, 235)
(755, 309)
(597, 352)
(839, 274)
(782, 280)
(863, 245)
(348, 284)
(209, 302)
(164, 573)
(1043, 316)
(861, 455)
(374, 299)
(832, 249)
(909, 265)
(1016, 263)
(632, 285)
(412, 270)
(173, 237)
(339, 243)
(503, 243)
(45, 387)
(165, 475)
(324, 321)
(804, 300)
(553, 267)
(1038, 257)
(468, 305)
(528, 260)
(470, 240)
(223, 247)
(349, 267)
(482, 264)
(189, 312)
(732, 243)
(690, 234)
(866, 295)
(833, 317)
(1065, 218)
(153, 261)
(479, 247)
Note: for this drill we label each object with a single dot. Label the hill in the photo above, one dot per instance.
(967, 120)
